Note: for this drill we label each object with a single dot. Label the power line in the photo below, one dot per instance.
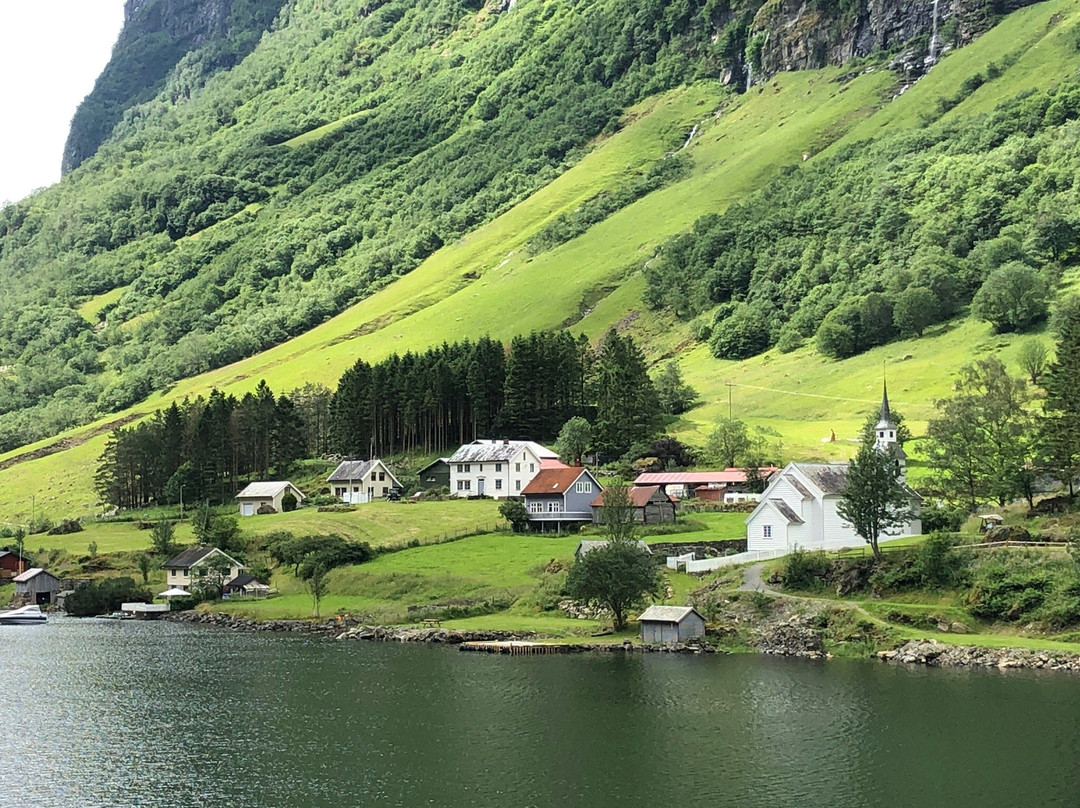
(819, 395)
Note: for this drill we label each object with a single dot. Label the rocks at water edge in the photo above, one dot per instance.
(937, 654)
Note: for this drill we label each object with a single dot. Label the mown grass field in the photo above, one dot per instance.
(379, 523)
(488, 283)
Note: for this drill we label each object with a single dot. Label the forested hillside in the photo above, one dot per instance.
(380, 178)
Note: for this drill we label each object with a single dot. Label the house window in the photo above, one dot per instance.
(517, 467)
(583, 487)
(460, 485)
(468, 468)
(517, 485)
(373, 476)
(384, 490)
(766, 531)
(480, 467)
(498, 485)
(536, 507)
(355, 488)
(460, 468)
(498, 467)
(173, 573)
(554, 507)
(430, 479)
(382, 476)
(468, 485)
(532, 467)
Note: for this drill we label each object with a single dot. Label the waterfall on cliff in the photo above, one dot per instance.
(750, 73)
(932, 58)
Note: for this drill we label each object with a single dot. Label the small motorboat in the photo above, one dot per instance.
(25, 615)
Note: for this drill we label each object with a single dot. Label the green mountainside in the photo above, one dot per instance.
(380, 178)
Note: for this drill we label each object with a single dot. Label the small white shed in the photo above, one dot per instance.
(266, 497)
(665, 625)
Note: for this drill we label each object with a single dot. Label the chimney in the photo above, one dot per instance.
(506, 441)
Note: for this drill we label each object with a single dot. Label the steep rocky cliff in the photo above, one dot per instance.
(158, 35)
(797, 35)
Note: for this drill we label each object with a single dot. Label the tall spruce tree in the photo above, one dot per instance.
(1059, 432)
(627, 407)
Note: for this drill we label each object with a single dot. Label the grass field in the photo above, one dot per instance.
(593, 282)
(379, 523)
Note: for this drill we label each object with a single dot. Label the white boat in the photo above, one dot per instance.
(27, 614)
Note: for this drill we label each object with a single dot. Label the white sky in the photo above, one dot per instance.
(51, 51)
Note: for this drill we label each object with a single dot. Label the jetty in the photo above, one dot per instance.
(522, 647)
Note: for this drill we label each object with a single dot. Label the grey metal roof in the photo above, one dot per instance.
(785, 510)
(435, 462)
(667, 614)
(492, 451)
(350, 470)
(267, 489)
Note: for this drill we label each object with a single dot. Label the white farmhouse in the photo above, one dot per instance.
(498, 468)
(800, 505)
(360, 481)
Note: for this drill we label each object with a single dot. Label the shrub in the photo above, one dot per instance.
(805, 570)
(288, 502)
(743, 334)
(1007, 591)
(104, 596)
(937, 517)
(513, 511)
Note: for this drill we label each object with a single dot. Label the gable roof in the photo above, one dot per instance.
(556, 481)
(639, 496)
(33, 572)
(268, 489)
(493, 451)
(13, 553)
(785, 510)
(667, 614)
(728, 476)
(241, 580)
(437, 461)
(193, 555)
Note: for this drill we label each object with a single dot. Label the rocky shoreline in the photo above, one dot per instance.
(791, 637)
(932, 653)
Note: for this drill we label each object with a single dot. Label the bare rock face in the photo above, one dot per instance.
(157, 35)
(795, 35)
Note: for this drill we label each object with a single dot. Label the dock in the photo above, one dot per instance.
(521, 647)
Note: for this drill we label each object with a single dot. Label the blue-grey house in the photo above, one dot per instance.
(558, 499)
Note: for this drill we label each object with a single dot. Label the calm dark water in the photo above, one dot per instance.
(100, 713)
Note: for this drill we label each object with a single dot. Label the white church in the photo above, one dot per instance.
(799, 505)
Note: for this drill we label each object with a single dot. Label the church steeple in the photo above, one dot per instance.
(885, 433)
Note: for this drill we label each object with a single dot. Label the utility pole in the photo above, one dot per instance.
(181, 502)
(33, 504)
(729, 385)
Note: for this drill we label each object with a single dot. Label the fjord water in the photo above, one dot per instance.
(100, 713)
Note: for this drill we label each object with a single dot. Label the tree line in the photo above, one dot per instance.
(455, 393)
(430, 401)
(990, 442)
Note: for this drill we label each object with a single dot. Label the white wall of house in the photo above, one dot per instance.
(376, 485)
(183, 577)
(496, 479)
(822, 528)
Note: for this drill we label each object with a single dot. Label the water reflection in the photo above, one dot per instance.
(126, 714)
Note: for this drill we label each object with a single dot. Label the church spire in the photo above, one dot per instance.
(886, 415)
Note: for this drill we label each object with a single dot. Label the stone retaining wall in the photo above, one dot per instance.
(939, 655)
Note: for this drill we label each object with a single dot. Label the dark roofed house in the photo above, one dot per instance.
(11, 564)
(180, 571)
(435, 474)
(560, 497)
(651, 505)
(360, 481)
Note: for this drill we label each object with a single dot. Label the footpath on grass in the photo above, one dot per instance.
(931, 652)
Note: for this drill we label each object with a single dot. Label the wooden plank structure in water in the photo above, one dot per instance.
(520, 647)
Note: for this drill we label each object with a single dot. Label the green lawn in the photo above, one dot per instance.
(379, 523)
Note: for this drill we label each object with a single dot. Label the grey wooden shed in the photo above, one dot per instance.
(36, 586)
(664, 625)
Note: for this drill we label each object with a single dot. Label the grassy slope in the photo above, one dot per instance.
(379, 523)
(795, 114)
